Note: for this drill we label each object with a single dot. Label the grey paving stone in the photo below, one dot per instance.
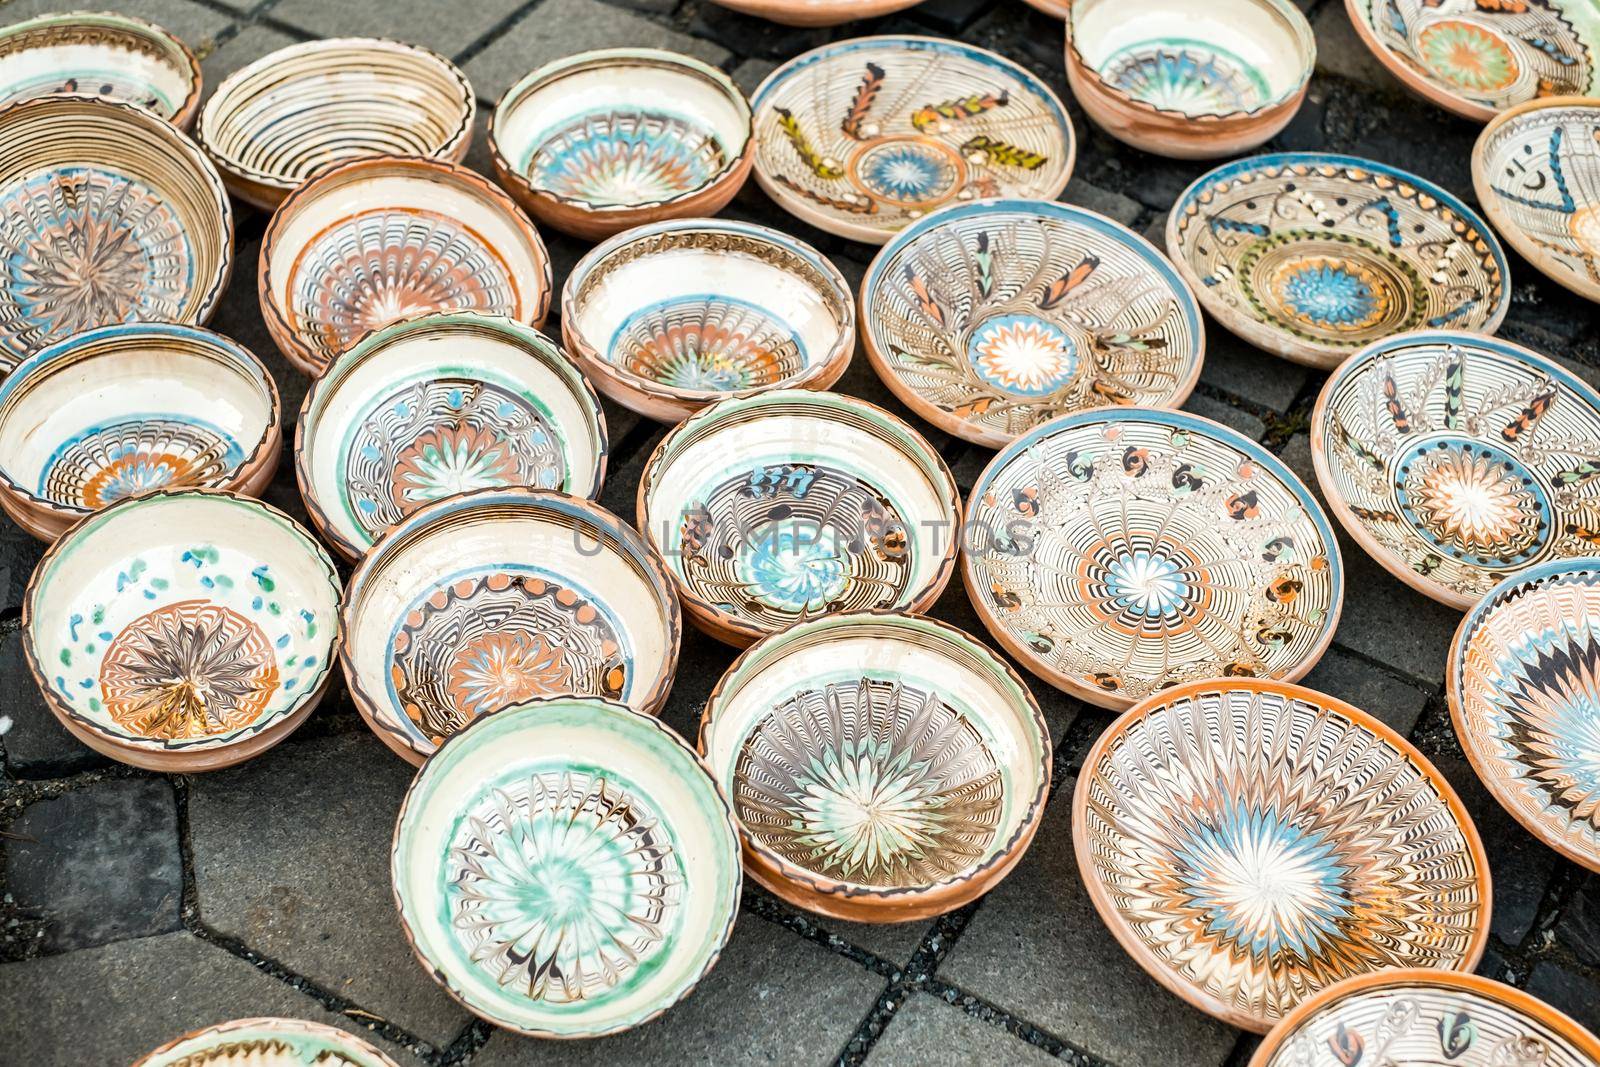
(751, 73)
(194, 24)
(1396, 701)
(250, 44)
(36, 745)
(1225, 413)
(1110, 204)
(1242, 370)
(1340, 52)
(413, 21)
(748, 36)
(1579, 925)
(927, 1032)
(1565, 990)
(894, 942)
(19, 554)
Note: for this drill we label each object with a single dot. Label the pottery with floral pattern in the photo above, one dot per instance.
(266, 1042)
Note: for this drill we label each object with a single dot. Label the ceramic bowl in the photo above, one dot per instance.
(374, 241)
(1456, 460)
(107, 214)
(988, 319)
(952, 741)
(599, 142)
(182, 630)
(266, 1043)
(1478, 58)
(1524, 693)
(1187, 80)
(493, 597)
(273, 124)
(1311, 256)
(104, 54)
(1532, 175)
(566, 868)
(815, 12)
(1059, 8)
(1421, 1015)
(775, 508)
(1117, 553)
(1250, 843)
(438, 405)
(668, 318)
(120, 410)
(863, 137)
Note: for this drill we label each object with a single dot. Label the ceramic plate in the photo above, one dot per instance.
(863, 137)
(182, 631)
(267, 1043)
(1251, 842)
(566, 868)
(816, 12)
(438, 405)
(1524, 688)
(1058, 8)
(1312, 256)
(1116, 553)
(987, 319)
(1455, 460)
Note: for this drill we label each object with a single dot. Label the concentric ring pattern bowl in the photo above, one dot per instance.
(266, 1043)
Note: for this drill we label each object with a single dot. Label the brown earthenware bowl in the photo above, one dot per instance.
(267, 1043)
(815, 12)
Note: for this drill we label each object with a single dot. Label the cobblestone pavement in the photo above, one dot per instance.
(136, 906)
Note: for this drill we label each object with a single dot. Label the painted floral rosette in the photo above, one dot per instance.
(1456, 460)
(266, 1043)
(566, 868)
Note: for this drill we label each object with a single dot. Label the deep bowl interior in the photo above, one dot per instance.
(106, 55)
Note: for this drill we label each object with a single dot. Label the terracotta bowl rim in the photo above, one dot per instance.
(377, 1056)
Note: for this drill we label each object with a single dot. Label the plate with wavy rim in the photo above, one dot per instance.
(266, 1043)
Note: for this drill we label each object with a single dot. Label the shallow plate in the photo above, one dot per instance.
(1455, 460)
(183, 630)
(863, 137)
(1116, 553)
(671, 317)
(1250, 842)
(267, 1043)
(566, 868)
(438, 405)
(775, 508)
(1312, 256)
(815, 12)
(987, 319)
(1524, 688)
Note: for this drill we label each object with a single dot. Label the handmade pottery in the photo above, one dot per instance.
(437, 405)
(493, 597)
(815, 12)
(988, 319)
(1478, 57)
(1456, 460)
(881, 767)
(1422, 1015)
(1188, 80)
(267, 1043)
(107, 214)
(1536, 170)
(1524, 688)
(1119, 552)
(1312, 256)
(114, 56)
(566, 868)
(776, 508)
(271, 125)
(1059, 8)
(120, 410)
(374, 241)
(863, 137)
(602, 141)
(668, 318)
(1250, 843)
(182, 630)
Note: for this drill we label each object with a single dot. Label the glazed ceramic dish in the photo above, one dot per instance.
(373, 241)
(602, 141)
(863, 137)
(1536, 170)
(1312, 256)
(274, 123)
(1456, 460)
(1059, 8)
(566, 868)
(988, 319)
(775, 508)
(1188, 80)
(881, 767)
(117, 57)
(1417, 1015)
(668, 318)
(1250, 843)
(437, 405)
(121, 410)
(1119, 552)
(107, 214)
(1478, 57)
(490, 598)
(1524, 688)
(267, 1043)
(182, 630)
(816, 12)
